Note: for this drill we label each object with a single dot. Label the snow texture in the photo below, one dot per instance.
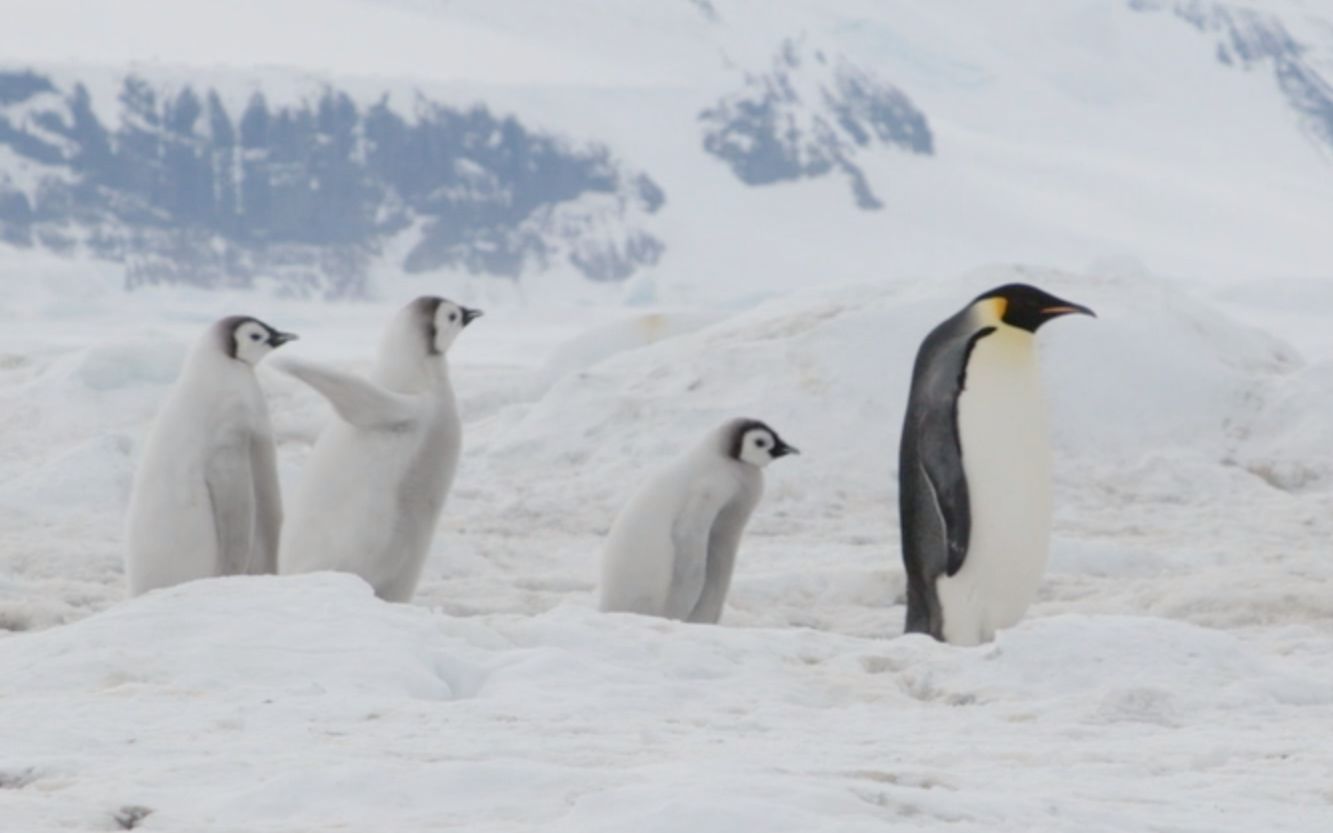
(1174, 673)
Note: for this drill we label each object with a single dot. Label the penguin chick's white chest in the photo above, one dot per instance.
(1007, 462)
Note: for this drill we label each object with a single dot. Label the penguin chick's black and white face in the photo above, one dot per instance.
(251, 339)
(757, 444)
(444, 321)
(1023, 306)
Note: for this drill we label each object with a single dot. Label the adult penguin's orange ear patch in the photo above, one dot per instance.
(998, 307)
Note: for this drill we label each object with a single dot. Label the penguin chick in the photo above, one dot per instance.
(377, 478)
(672, 550)
(205, 500)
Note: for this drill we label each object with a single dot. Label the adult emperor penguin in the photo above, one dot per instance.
(377, 478)
(206, 500)
(672, 549)
(974, 468)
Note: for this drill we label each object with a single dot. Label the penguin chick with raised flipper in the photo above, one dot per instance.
(673, 547)
(974, 468)
(376, 481)
(206, 500)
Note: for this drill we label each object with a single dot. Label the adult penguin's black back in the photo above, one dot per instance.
(932, 544)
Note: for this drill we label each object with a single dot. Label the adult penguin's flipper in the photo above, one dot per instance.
(941, 469)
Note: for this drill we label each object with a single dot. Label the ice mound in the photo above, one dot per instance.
(95, 474)
(609, 722)
(1289, 443)
(121, 364)
(1159, 374)
(601, 343)
(317, 634)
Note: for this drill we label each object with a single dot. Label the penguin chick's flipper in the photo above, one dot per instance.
(231, 493)
(268, 506)
(359, 401)
(724, 539)
(689, 546)
(942, 467)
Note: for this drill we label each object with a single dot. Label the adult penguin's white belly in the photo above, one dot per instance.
(1007, 463)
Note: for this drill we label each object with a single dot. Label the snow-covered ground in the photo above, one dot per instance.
(1176, 673)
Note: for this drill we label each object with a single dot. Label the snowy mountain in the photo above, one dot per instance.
(1248, 38)
(676, 212)
(694, 149)
(183, 191)
(775, 131)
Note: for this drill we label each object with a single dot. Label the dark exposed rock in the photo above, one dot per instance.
(183, 191)
(809, 116)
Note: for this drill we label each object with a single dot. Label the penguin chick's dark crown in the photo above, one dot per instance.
(427, 307)
(227, 327)
(1027, 307)
(743, 427)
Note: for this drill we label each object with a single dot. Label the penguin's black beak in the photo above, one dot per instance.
(782, 450)
(470, 315)
(278, 339)
(1065, 308)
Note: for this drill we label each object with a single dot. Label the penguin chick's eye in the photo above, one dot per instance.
(453, 316)
(254, 336)
(762, 443)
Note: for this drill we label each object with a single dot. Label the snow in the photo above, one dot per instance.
(625, 334)
(303, 703)
(1174, 673)
(248, 34)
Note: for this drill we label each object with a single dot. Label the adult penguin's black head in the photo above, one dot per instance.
(1027, 307)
